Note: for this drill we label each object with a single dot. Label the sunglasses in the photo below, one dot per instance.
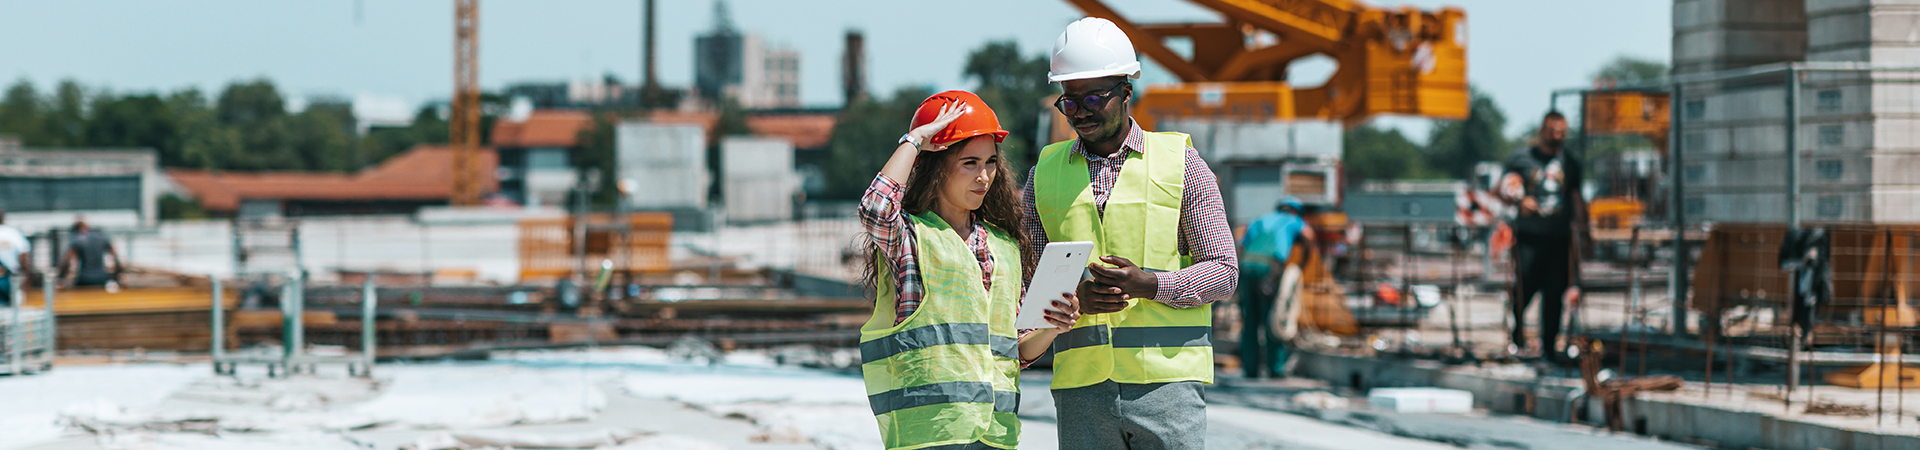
(1092, 102)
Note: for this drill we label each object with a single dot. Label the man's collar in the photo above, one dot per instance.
(1136, 141)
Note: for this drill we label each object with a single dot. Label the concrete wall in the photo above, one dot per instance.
(1710, 35)
(760, 180)
(667, 163)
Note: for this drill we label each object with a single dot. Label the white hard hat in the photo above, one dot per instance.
(1092, 48)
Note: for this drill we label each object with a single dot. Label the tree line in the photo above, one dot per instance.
(244, 127)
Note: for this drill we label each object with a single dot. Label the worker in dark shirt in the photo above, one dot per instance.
(90, 250)
(1542, 189)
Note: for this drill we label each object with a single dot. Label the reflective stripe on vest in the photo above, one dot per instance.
(948, 376)
(1148, 342)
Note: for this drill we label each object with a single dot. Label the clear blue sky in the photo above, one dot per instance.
(401, 50)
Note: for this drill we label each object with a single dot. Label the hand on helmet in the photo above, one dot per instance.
(924, 134)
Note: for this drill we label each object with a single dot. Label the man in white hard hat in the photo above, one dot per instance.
(1130, 373)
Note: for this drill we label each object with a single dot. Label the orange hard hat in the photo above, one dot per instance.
(977, 121)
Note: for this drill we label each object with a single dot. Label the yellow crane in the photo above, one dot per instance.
(1390, 61)
(465, 128)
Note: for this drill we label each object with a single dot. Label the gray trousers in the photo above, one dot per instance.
(1111, 415)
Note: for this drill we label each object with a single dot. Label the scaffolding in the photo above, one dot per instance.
(1748, 160)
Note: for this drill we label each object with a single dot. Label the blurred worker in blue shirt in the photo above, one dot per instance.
(1264, 250)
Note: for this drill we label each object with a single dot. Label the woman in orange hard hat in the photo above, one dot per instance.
(941, 356)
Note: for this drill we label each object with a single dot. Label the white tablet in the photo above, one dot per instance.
(1059, 271)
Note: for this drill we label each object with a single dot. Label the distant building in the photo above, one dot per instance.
(535, 167)
(543, 95)
(121, 186)
(576, 94)
(422, 176)
(728, 63)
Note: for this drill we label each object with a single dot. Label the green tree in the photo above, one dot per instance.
(64, 123)
(20, 113)
(1375, 153)
(864, 137)
(322, 136)
(1627, 69)
(380, 143)
(1454, 147)
(143, 120)
(1016, 87)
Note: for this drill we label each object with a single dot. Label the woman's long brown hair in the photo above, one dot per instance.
(1001, 208)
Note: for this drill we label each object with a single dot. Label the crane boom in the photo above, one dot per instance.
(1390, 61)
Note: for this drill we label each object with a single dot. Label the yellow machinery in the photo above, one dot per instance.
(1628, 113)
(1390, 61)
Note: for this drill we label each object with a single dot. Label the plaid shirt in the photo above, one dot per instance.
(882, 215)
(1204, 233)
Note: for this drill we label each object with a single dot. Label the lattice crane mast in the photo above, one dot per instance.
(465, 128)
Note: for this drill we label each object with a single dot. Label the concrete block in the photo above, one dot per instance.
(1759, 140)
(761, 199)
(1830, 205)
(1421, 400)
(1747, 206)
(1835, 98)
(1896, 205)
(1838, 30)
(1889, 54)
(1831, 136)
(1836, 169)
(755, 156)
(1892, 170)
(666, 163)
(1893, 135)
(1826, 7)
(1692, 13)
(1748, 104)
(1894, 26)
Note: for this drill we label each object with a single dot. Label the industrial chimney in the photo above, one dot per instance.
(853, 67)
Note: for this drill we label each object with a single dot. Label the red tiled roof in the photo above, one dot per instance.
(542, 128)
(422, 173)
(803, 130)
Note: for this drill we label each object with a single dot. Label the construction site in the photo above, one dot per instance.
(1745, 279)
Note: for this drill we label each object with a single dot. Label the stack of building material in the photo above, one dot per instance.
(154, 318)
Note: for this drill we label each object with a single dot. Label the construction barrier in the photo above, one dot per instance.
(641, 245)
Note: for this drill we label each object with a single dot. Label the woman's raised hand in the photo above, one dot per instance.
(924, 134)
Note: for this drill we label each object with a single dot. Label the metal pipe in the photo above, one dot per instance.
(1633, 294)
(367, 344)
(219, 322)
(291, 310)
(13, 328)
(1676, 155)
(1793, 148)
(1712, 335)
(53, 327)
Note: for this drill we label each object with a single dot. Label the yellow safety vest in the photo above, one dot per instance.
(1148, 342)
(949, 374)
